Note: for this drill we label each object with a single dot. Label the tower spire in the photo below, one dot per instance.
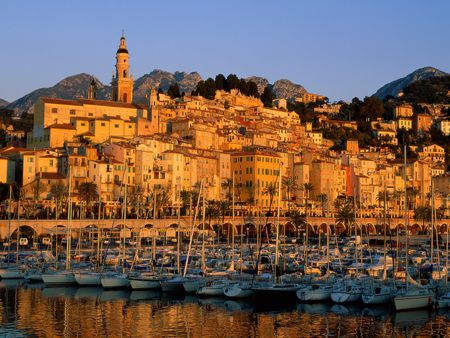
(122, 82)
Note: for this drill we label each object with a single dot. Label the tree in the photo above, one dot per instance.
(87, 192)
(297, 219)
(307, 188)
(270, 190)
(323, 199)
(174, 91)
(290, 185)
(267, 97)
(137, 201)
(220, 82)
(345, 211)
(228, 185)
(59, 193)
(232, 82)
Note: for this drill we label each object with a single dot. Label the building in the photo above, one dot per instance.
(403, 110)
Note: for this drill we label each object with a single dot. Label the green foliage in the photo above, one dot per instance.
(174, 91)
(431, 90)
(208, 88)
(267, 96)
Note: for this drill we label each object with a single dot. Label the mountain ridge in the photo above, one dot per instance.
(394, 88)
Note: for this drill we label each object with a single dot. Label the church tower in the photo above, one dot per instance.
(122, 81)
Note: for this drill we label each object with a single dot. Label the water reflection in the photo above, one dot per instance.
(31, 309)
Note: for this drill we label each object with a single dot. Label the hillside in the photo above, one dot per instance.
(396, 87)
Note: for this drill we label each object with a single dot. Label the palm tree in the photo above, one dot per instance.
(307, 188)
(412, 195)
(228, 185)
(423, 214)
(87, 192)
(323, 199)
(137, 200)
(59, 193)
(290, 185)
(344, 211)
(270, 190)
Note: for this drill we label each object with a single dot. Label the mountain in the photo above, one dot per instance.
(261, 82)
(71, 87)
(394, 88)
(161, 79)
(3, 103)
(287, 89)
(76, 86)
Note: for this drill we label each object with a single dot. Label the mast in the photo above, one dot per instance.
(98, 227)
(69, 228)
(124, 220)
(232, 227)
(192, 231)
(406, 216)
(178, 230)
(432, 226)
(18, 231)
(356, 232)
(203, 232)
(9, 222)
(277, 242)
(154, 219)
(384, 232)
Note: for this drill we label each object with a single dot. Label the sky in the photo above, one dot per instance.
(340, 49)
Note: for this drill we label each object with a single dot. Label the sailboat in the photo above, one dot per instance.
(114, 279)
(277, 291)
(412, 296)
(63, 277)
(376, 292)
(12, 272)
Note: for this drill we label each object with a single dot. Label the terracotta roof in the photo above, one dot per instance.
(52, 176)
(81, 102)
(61, 126)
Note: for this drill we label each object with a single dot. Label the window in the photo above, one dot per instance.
(54, 110)
(102, 124)
(51, 163)
(116, 126)
(83, 124)
(72, 112)
(90, 114)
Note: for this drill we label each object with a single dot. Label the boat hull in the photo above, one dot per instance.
(345, 297)
(318, 295)
(58, 279)
(88, 279)
(11, 273)
(406, 302)
(144, 284)
(237, 292)
(115, 282)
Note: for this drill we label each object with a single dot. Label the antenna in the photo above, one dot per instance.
(123, 32)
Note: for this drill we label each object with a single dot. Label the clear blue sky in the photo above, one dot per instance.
(341, 49)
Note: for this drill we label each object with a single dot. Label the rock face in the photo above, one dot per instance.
(261, 82)
(395, 87)
(3, 103)
(76, 86)
(287, 89)
(162, 79)
(282, 88)
(71, 87)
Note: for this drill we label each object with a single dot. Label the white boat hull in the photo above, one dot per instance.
(59, 278)
(211, 291)
(341, 297)
(172, 285)
(90, 278)
(374, 299)
(317, 295)
(409, 302)
(144, 284)
(237, 291)
(115, 282)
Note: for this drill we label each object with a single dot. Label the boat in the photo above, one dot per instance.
(193, 284)
(33, 276)
(88, 278)
(315, 292)
(146, 281)
(11, 272)
(276, 291)
(240, 290)
(377, 293)
(58, 278)
(346, 291)
(413, 298)
(114, 280)
(444, 301)
(173, 285)
(211, 289)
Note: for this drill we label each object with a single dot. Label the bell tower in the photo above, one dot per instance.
(122, 81)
